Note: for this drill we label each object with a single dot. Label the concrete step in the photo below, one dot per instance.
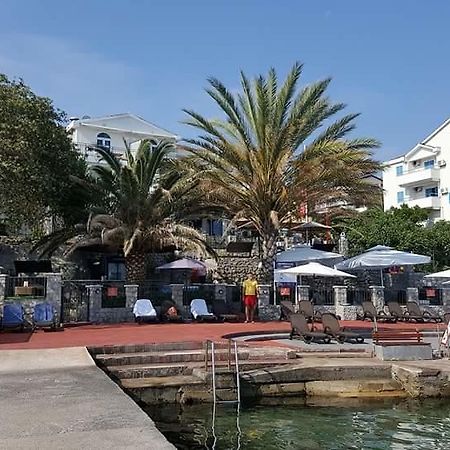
(161, 382)
(171, 369)
(165, 346)
(333, 355)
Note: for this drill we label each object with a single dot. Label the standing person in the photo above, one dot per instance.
(249, 289)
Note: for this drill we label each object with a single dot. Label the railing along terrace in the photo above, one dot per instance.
(26, 286)
(321, 296)
(192, 291)
(355, 295)
(156, 292)
(395, 295)
(430, 295)
(113, 294)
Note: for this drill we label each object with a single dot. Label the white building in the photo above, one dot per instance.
(421, 177)
(110, 132)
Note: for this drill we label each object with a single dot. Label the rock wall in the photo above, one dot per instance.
(235, 270)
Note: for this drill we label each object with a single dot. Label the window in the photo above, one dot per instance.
(400, 197)
(104, 141)
(116, 270)
(431, 192)
(399, 170)
(428, 164)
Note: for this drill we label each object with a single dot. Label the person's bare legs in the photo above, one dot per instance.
(252, 313)
(247, 313)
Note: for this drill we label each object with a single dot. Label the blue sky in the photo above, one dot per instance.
(388, 59)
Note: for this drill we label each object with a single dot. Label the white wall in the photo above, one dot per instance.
(390, 183)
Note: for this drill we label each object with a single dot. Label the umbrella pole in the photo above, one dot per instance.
(381, 278)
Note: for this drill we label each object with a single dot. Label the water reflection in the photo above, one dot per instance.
(396, 425)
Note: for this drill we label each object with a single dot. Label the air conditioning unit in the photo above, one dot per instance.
(444, 190)
(442, 163)
(418, 189)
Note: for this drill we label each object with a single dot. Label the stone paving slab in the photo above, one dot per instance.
(71, 404)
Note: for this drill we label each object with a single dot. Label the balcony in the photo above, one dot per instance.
(433, 202)
(418, 176)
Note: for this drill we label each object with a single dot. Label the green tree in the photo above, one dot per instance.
(148, 201)
(276, 150)
(36, 158)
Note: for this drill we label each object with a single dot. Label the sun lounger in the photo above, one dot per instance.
(44, 316)
(301, 329)
(332, 327)
(415, 311)
(396, 310)
(144, 311)
(287, 308)
(306, 308)
(13, 316)
(369, 312)
(200, 312)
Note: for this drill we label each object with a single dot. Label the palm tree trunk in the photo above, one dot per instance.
(268, 253)
(135, 264)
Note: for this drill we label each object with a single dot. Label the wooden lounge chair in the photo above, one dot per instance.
(396, 311)
(332, 327)
(415, 311)
(287, 308)
(306, 308)
(300, 329)
(369, 312)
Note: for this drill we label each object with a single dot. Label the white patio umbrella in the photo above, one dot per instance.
(315, 269)
(442, 274)
(380, 257)
(304, 254)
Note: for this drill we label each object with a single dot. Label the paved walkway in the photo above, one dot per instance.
(54, 399)
(130, 333)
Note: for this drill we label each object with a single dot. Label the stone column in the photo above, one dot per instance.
(342, 308)
(220, 292)
(266, 310)
(377, 297)
(302, 293)
(177, 294)
(446, 297)
(412, 294)
(3, 280)
(95, 302)
(54, 291)
(131, 295)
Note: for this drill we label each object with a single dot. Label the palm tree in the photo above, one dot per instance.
(276, 150)
(148, 199)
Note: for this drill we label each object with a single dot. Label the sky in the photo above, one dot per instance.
(389, 60)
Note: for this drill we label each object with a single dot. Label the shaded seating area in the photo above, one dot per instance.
(369, 312)
(332, 327)
(144, 312)
(200, 312)
(300, 329)
(426, 316)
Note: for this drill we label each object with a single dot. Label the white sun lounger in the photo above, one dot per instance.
(143, 310)
(200, 312)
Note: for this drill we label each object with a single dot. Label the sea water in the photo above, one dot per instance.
(402, 424)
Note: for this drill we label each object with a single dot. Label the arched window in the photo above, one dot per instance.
(104, 141)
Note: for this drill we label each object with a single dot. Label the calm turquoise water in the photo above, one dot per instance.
(397, 425)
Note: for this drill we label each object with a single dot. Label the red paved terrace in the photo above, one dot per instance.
(130, 333)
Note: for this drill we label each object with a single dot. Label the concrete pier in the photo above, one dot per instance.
(58, 398)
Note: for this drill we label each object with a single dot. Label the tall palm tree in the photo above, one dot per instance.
(148, 199)
(276, 149)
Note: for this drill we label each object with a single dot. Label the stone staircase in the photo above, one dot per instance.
(175, 372)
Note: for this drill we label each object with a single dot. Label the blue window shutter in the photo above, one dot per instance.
(399, 170)
(400, 197)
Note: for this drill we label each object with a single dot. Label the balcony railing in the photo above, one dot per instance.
(88, 150)
(416, 176)
(429, 202)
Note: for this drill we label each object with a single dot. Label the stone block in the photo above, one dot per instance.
(401, 352)
(269, 312)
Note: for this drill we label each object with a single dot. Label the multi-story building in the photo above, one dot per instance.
(421, 177)
(111, 133)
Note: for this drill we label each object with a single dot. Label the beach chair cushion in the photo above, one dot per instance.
(43, 314)
(12, 315)
(199, 308)
(144, 308)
